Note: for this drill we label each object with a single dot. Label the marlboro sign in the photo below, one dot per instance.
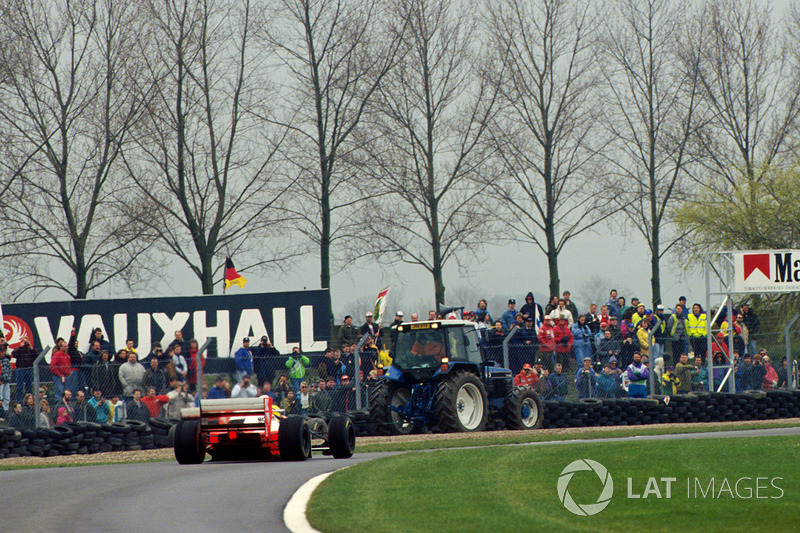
(766, 271)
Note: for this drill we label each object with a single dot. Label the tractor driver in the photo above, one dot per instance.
(428, 345)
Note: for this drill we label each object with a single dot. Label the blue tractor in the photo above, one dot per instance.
(441, 378)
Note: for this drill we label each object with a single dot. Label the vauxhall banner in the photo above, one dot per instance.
(289, 319)
(766, 271)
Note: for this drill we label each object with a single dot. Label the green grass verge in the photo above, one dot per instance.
(489, 438)
(515, 489)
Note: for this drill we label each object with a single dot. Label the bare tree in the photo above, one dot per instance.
(66, 108)
(544, 69)
(750, 104)
(653, 95)
(336, 53)
(427, 129)
(204, 161)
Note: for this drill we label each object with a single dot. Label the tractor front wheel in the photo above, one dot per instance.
(386, 421)
(523, 409)
(461, 403)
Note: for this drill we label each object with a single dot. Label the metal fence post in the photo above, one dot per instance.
(790, 377)
(36, 401)
(513, 331)
(650, 345)
(357, 369)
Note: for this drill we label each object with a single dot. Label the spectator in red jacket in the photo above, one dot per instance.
(191, 376)
(155, 403)
(563, 338)
(547, 342)
(60, 367)
(526, 377)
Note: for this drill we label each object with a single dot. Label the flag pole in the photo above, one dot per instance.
(224, 270)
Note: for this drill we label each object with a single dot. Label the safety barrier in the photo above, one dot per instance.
(81, 438)
(682, 408)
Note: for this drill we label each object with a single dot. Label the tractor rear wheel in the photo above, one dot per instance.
(294, 439)
(461, 403)
(385, 421)
(187, 443)
(522, 408)
(341, 437)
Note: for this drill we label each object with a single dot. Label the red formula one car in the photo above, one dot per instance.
(253, 428)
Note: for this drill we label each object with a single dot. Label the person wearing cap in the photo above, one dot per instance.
(547, 341)
(586, 379)
(526, 377)
(370, 327)
(640, 313)
(562, 335)
(243, 359)
(643, 335)
(509, 315)
(348, 334)
(398, 319)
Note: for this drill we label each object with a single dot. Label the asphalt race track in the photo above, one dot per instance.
(157, 496)
(169, 497)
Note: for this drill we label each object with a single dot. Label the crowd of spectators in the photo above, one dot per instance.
(608, 351)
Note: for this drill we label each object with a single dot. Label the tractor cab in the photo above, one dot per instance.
(424, 349)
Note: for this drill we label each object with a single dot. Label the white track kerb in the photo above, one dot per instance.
(294, 514)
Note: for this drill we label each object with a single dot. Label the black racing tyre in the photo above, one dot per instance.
(341, 437)
(187, 443)
(294, 439)
(317, 427)
(755, 394)
(461, 404)
(384, 420)
(522, 409)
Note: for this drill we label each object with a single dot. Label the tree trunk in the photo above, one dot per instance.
(552, 263)
(655, 267)
(207, 273)
(325, 252)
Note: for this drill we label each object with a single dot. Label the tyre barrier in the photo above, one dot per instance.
(81, 438)
(677, 409)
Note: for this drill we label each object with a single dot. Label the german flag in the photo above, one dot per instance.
(231, 276)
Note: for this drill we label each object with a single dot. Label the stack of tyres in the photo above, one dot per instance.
(160, 428)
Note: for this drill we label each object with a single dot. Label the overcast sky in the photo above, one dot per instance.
(590, 265)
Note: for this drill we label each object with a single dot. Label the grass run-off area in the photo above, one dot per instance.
(488, 438)
(514, 488)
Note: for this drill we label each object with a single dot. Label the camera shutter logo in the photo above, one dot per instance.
(603, 500)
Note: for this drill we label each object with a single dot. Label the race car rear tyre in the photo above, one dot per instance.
(461, 403)
(187, 443)
(342, 437)
(294, 439)
(523, 409)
